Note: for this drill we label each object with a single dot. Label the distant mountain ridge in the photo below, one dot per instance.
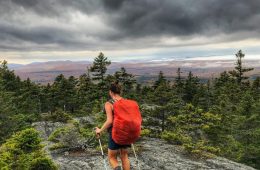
(45, 72)
(15, 66)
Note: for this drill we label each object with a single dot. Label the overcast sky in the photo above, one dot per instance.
(44, 30)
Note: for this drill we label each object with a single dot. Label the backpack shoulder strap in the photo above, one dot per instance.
(112, 101)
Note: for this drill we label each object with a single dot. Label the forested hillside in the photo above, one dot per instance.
(220, 117)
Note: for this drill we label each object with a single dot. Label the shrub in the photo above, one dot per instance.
(3, 165)
(231, 148)
(56, 135)
(201, 149)
(190, 128)
(57, 146)
(28, 140)
(72, 136)
(145, 132)
(57, 116)
(176, 137)
(21, 149)
(42, 164)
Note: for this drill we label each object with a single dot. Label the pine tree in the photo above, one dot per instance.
(10, 81)
(29, 97)
(256, 88)
(239, 71)
(108, 81)
(162, 96)
(256, 83)
(59, 89)
(71, 94)
(99, 67)
(85, 85)
(127, 80)
(160, 81)
(190, 87)
(179, 79)
(47, 98)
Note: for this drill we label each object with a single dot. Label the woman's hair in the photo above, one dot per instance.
(115, 88)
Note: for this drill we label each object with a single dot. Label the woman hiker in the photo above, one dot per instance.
(113, 147)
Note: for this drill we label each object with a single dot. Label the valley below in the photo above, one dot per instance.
(144, 72)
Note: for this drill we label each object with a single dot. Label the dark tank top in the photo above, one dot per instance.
(112, 101)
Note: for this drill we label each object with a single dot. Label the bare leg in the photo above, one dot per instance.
(112, 156)
(125, 160)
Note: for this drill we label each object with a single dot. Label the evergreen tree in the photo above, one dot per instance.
(162, 96)
(63, 92)
(71, 94)
(138, 91)
(179, 80)
(160, 81)
(190, 87)
(127, 80)
(256, 88)
(239, 71)
(29, 97)
(86, 92)
(250, 137)
(46, 98)
(99, 67)
(10, 82)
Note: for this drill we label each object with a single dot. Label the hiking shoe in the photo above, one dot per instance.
(118, 168)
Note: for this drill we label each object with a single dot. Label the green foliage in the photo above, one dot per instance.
(56, 146)
(145, 132)
(67, 137)
(99, 67)
(176, 137)
(28, 140)
(73, 135)
(22, 151)
(201, 149)
(127, 80)
(190, 88)
(56, 135)
(17, 102)
(179, 80)
(239, 71)
(190, 127)
(63, 94)
(160, 81)
(231, 148)
(43, 164)
(57, 116)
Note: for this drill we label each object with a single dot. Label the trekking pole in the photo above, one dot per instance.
(105, 165)
(136, 157)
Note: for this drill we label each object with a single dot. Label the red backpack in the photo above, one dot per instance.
(127, 122)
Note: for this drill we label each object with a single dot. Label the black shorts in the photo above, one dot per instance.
(112, 145)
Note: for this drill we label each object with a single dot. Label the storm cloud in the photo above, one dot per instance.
(184, 17)
(124, 24)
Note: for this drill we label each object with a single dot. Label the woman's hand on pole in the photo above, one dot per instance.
(98, 131)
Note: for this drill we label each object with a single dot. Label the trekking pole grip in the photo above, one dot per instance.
(97, 134)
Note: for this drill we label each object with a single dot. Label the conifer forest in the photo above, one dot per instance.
(219, 117)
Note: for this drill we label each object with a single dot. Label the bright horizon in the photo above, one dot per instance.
(143, 59)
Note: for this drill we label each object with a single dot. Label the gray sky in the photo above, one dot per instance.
(43, 30)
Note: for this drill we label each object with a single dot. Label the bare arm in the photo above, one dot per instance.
(109, 121)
